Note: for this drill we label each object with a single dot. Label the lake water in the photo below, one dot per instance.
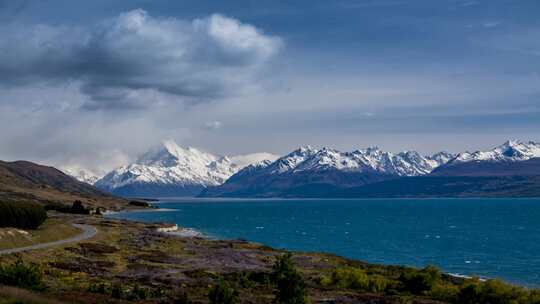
(494, 238)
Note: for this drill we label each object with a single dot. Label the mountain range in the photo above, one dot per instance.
(171, 170)
(312, 172)
(512, 169)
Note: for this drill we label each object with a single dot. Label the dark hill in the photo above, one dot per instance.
(447, 186)
(27, 181)
(529, 167)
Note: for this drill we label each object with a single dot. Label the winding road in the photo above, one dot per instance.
(88, 232)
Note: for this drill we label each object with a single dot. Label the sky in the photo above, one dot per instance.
(96, 83)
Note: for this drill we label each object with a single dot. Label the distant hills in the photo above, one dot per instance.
(26, 181)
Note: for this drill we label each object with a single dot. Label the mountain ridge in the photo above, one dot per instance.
(325, 167)
(307, 172)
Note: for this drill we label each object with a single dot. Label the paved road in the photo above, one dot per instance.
(88, 232)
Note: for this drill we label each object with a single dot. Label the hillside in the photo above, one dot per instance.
(22, 180)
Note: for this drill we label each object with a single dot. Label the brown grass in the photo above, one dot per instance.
(52, 230)
(9, 295)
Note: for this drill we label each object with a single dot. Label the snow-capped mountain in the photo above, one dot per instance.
(511, 150)
(309, 169)
(83, 175)
(513, 158)
(172, 170)
(408, 163)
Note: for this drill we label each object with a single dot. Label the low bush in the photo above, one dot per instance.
(23, 215)
(357, 279)
(76, 208)
(20, 274)
(182, 298)
(222, 293)
(350, 278)
(117, 291)
(420, 281)
(495, 292)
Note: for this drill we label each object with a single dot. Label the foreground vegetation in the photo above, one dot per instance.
(130, 262)
(24, 215)
(53, 229)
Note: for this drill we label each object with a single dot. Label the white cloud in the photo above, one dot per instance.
(212, 125)
(134, 59)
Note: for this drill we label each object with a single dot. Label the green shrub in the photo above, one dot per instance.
(358, 279)
(351, 278)
(98, 288)
(444, 292)
(23, 215)
(378, 283)
(495, 292)
(291, 288)
(182, 298)
(325, 281)
(22, 275)
(117, 291)
(420, 281)
(138, 293)
(78, 208)
(222, 293)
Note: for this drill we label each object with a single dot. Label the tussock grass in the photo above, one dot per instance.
(12, 295)
(52, 230)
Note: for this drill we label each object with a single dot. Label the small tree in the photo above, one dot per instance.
(222, 293)
(78, 208)
(291, 288)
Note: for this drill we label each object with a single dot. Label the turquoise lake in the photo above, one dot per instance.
(493, 238)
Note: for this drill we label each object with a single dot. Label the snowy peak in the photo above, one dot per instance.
(441, 157)
(292, 160)
(174, 166)
(169, 154)
(83, 175)
(372, 159)
(253, 158)
(511, 150)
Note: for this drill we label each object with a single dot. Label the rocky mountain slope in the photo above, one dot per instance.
(172, 170)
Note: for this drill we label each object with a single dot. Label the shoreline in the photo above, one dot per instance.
(188, 232)
(130, 255)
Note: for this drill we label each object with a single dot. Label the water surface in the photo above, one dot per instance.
(495, 238)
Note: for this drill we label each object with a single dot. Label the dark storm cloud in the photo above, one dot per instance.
(120, 61)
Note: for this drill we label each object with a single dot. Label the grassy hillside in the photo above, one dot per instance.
(52, 230)
(26, 181)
